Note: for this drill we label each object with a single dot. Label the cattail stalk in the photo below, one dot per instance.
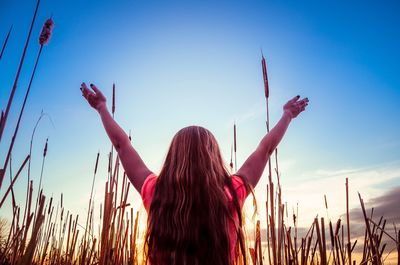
(234, 145)
(271, 186)
(1, 119)
(370, 235)
(5, 43)
(323, 254)
(398, 248)
(89, 209)
(13, 181)
(43, 40)
(41, 177)
(383, 231)
(29, 164)
(3, 124)
(348, 222)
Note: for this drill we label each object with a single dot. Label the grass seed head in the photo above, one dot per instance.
(46, 32)
(265, 76)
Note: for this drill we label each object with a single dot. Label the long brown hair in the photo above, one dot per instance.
(188, 222)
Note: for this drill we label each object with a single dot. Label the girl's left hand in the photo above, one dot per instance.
(95, 99)
(295, 106)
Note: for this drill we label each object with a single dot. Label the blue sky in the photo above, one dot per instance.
(177, 63)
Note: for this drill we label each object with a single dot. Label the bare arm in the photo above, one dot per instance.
(254, 165)
(134, 166)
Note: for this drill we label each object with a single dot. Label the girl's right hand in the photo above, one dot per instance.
(295, 106)
(95, 99)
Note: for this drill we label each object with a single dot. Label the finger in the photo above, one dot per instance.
(85, 90)
(85, 93)
(293, 100)
(303, 107)
(302, 103)
(95, 89)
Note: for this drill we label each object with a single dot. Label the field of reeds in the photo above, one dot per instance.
(43, 231)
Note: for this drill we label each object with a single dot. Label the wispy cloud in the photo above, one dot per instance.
(253, 112)
(308, 193)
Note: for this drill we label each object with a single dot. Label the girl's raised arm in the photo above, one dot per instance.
(254, 166)
(134, 166)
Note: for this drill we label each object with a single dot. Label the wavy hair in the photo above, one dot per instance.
(188, 221)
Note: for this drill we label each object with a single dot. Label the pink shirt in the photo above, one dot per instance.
(148, 191)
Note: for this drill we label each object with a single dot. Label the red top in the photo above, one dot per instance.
(148, 191)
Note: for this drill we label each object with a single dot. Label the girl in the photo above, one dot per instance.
(194, 205)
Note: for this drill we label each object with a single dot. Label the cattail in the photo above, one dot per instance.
(46, 32)
(337, 226)
(265, 76)
(326, 202)
(97, 162)
(51, 201)
(45, 148)
(231, 163)
(109, 163)
(354, 245)
(113, 100)
(271, 199)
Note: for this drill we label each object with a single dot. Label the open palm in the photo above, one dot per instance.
(295, 106)
(95, 98)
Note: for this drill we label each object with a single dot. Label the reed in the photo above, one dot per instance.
(234, 145)
(13, 181)
(57, 237)
(348, 222)
(271, 190)
(51, 234)
(14, 87)
(43, 40)
(5, 43)
(113, 100)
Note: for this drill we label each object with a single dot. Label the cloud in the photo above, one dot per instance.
(378, 185)
(371, 182)
(252, 113)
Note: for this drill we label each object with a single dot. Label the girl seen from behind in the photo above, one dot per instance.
(194, 205)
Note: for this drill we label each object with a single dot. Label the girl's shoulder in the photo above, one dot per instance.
(239, 187)
(147, 190)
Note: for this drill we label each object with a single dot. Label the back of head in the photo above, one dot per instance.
(189, 214)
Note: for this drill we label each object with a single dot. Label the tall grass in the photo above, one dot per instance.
(48, 233)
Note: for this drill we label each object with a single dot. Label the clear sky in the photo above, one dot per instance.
(178, 63)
